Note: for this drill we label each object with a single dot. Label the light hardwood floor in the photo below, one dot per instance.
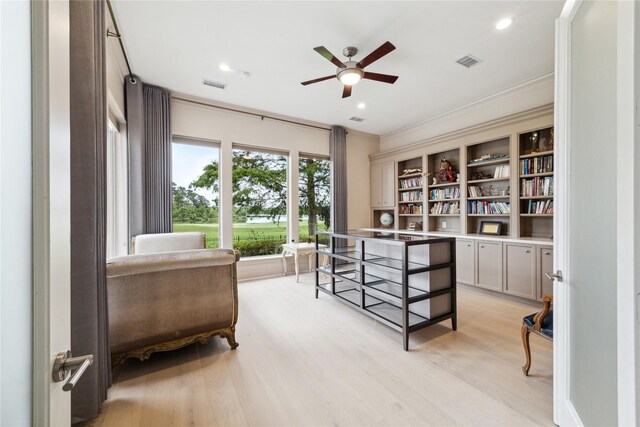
(303, 361)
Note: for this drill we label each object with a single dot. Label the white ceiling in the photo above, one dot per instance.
(175, 44)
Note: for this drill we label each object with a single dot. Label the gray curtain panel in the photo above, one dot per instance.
(88, 96)
(338, 153)
(157, 148)
(135, 140)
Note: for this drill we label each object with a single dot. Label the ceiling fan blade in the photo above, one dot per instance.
(324, 52)
(346, 92)
(385, 78)
(321, 79)
(376, 54)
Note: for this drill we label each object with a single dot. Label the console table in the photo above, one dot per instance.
(406, 282)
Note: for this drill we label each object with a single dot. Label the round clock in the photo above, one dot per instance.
(386, 219)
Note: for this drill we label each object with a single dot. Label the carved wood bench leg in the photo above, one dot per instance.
(524, 332)
(230, 335)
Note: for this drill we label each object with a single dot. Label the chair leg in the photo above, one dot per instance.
(231, 338)
(524, 332)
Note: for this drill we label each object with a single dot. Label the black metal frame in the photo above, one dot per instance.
(360, 284)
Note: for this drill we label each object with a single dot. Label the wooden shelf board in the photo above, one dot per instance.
(411, 175)
(489, 162)
(488, 197)
(541, 153)
(488, 214)
(536, 197)
(533, 175)
(410, 214)
(444, 214)
(414, 201)
(411, 189)
(443, 200)
(446, 184)
(538, 215)
(481, 181)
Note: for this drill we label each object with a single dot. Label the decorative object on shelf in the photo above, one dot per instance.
(488, 157)
(386, 219)
(410, 171)
(447, 173)
(491, 228)
(435, 181)
(458, 178)
(415, 226)
(535, 142)
(477, 175)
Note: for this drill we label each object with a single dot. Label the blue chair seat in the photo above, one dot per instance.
(547, 323)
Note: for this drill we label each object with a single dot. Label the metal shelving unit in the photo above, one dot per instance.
(395, 278)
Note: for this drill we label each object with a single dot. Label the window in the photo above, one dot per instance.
(195, 186)
(259, 202)
(315, 195)
(117, 228)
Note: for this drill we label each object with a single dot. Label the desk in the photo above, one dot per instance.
(298, 250)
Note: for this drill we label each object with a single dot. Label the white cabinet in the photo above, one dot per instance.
(382, 185)
(489, 265)
(465, 262)
(519, 270)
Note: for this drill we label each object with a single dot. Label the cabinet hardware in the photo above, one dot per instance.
(555, 276)
(526, 251)
(481, 246)
(75, 365)
(468, 245)
(547, 253)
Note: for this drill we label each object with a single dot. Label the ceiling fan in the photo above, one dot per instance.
(350, 72)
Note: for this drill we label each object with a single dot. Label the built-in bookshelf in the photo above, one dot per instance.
(488, 174)
(536, 183)
(410, 194)
(443, 191)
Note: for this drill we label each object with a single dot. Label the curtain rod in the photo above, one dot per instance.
(119, 37)
(262, 116)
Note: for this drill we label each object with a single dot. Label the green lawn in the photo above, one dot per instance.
(244, 231)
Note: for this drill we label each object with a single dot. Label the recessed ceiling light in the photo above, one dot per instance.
(504, 23)
(361, 105)
(224, 67)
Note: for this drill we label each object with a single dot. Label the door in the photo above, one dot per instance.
(520, 270)
(465, 261)
(585, 290)
(51, 211)
(489, 265)
(376, 186)
(388, 184)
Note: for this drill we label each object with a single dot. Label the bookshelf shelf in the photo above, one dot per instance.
(539, 154)
(410, 186)
(536, 198)
(411, 175)
(415, 202)
(534, 175)
(410, 189)
(489, 162)
(446, 184)
(410, 214)
(503, 215)
(482, 181)
(443, 200)
(488, 198)
(444, 197)
(457, 215)
(537, 215)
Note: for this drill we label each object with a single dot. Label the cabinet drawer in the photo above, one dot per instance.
(545, 265)
(489, 265)
(465, 261)
(520, 270)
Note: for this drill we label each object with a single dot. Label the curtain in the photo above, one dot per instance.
(135, 140)
(88, 117)
(157, 149)
(338, 153)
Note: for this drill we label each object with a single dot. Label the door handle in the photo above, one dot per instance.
(555, 276)
(64, 363)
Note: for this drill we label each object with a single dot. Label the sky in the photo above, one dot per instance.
(188, 163)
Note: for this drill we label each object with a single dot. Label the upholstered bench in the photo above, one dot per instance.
(540, 323)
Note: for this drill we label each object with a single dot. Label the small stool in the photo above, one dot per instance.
(298, 250)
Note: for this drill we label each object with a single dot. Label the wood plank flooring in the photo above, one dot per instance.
(308, 362)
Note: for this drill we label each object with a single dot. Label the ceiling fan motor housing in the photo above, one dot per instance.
(351, 67)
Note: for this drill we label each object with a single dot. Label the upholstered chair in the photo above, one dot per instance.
(541, 324)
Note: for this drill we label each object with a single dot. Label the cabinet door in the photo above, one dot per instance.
(545, 265)
(376, 186)
(489, 265)
(388, 184)
(465, 262)
(520, 270)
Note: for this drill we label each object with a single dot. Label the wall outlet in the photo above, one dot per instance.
(444, 224)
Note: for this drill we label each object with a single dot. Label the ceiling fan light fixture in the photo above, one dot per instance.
(350, 76)
(504, 24)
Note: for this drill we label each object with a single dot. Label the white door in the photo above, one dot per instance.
(585, 366)
(51, 207)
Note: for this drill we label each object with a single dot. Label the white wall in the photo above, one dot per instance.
(15, 214)
(204, 122)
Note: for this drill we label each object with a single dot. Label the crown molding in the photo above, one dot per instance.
(524, 96)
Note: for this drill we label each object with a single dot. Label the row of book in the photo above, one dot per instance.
(540, 207)
(536, 165)
(501, 171)
(411, 182)
(411, 209)
(488, 207)
(441, 208)
(445, 193)
(475, 191)
(411, 196)
(536, 187)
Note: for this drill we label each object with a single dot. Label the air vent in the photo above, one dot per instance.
(468, 61)
(357, 119)
(217, 85)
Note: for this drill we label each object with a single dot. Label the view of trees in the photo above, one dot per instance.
(188, 206)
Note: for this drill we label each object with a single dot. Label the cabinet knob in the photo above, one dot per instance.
(526, 251)
(468, 245)
(482, 246)
(547, 253)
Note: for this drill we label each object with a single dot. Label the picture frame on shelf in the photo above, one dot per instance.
(491, 228)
